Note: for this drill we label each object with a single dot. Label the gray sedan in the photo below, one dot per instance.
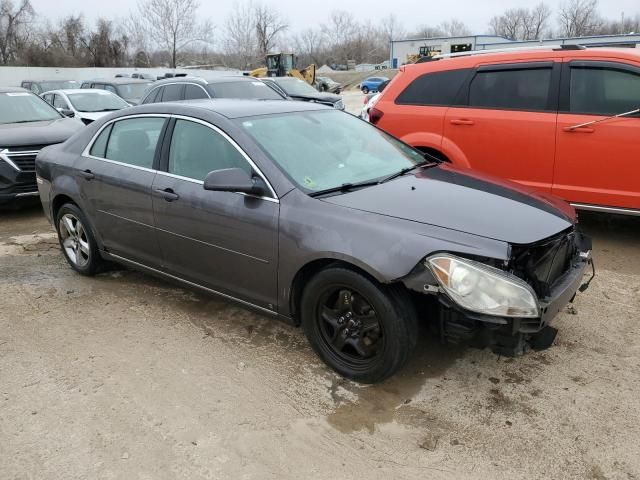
(311, 215)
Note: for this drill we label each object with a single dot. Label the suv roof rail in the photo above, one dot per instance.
(508, 50)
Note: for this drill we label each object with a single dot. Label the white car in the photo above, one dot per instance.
(368, 105)
(84, 104)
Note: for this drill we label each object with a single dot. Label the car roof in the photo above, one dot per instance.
(470, 60)
(230, 108)
(97, 91)
(117, 81)
(205, 80)
(51, 80)
(13, 90)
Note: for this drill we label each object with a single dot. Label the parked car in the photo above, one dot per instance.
(86, 105)
(40, 86)
(370, 99)
(529, 116)
(326, 84)
(297, 89)
(372, 84)
(219, 86)
(144, 76)
(130, 89)
(27, 124)
(358, 239)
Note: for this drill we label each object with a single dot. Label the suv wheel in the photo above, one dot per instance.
(364, 331)
(76, 240)
(365, 90)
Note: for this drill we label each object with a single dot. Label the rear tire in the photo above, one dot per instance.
(76, 239)
(363, 330)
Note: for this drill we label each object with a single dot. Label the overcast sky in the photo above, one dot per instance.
(305, 13)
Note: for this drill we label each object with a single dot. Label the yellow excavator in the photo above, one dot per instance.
(284, 65)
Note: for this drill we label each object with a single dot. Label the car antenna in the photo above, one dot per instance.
(625, 114)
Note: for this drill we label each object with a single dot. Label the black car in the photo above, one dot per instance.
(297, 89)
(27, 124)
(41, 86)
(219, 86)
(359, 240)
(130, 89)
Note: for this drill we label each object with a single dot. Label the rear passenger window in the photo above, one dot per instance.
(197, 150)
(153, 97)
(172, 93)
(134, 141)
(100, 145)
(526, 89)
(603, 91)
(194, 92)
(438, 88)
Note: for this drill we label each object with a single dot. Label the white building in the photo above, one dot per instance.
(402, 51)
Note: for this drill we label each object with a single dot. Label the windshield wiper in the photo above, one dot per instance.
(345, 187)
(31, 121)
(424, 163)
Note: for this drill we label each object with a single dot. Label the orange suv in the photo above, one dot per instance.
(543, 117)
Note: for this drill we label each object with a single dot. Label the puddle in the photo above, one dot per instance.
(393, 399)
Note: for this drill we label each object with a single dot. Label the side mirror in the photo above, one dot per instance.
(66, 112)
(234, 180)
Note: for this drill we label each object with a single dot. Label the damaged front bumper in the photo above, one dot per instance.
(507, 335)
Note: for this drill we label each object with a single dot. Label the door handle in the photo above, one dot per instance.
(168, 194)
(87, 175)
(462, 121)
(579, 129)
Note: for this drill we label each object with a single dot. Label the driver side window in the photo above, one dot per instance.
(197, 150)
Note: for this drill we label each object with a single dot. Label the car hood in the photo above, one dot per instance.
(38, 133)
(93, 115)
(319, 97)
(465, 201)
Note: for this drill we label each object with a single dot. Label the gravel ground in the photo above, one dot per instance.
(123, 376)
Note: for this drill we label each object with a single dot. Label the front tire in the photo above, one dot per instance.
(363, 330)
(77, 241)
(365, 90)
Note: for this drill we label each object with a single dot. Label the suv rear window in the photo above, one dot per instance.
(255, 90)
(438, 88)
(523, 89)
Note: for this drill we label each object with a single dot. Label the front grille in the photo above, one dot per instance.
(25, 187)
(23, 157)
(544, 263)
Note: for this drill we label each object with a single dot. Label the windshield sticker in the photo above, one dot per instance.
(247, 124)
(18, 94)
(309, 182)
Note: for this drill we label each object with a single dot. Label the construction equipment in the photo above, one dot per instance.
(284, 65)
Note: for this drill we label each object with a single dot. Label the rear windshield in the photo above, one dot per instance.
(23, 107)
(245, 90)
(132, 90)
(98, 101)
(59, 85)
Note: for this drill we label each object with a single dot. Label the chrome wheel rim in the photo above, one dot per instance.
(74, 240)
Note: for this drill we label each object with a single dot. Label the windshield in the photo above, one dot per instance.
(22, 107)
(325, 149)
(96, 102)
(132, 90)
(59, 85)
(295, 86)
(246, 90)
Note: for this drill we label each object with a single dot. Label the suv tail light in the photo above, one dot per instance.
(375, 115)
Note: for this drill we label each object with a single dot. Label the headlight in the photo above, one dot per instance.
(483, 289)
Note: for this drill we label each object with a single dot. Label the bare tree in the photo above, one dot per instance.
(13, 22)
(268, 24)
(308, 44)
(173, 25)
(521, 23)
(340, 32)
(454, 28)
(240, 37)
(578, 18)
(391, 27)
